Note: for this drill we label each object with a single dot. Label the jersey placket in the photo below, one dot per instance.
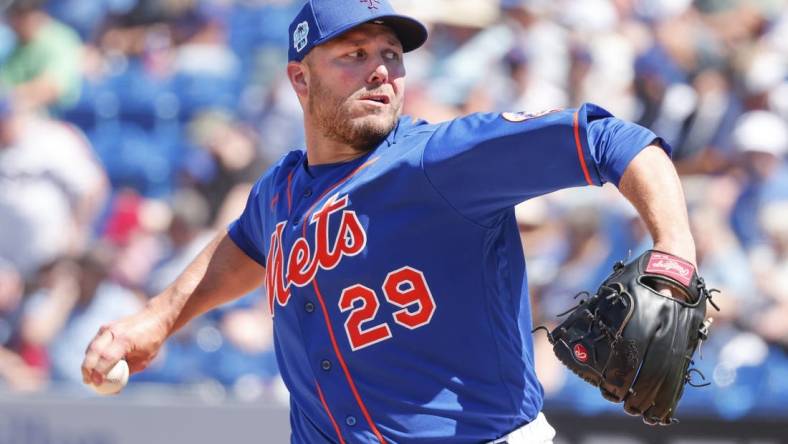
(319, 337)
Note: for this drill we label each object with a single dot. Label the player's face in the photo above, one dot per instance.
(356, 86)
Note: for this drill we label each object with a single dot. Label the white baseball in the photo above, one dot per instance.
(115, 380)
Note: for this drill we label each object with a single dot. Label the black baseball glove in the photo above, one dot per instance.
(635, 343)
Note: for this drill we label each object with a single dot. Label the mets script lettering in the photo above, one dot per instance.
(303, 263)
(405, 288)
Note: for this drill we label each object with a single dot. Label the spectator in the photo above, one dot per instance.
(44, 68)
(771, 261)
(74, 299)
(761, 138)
(51, 189)
(206, 71)
(226, 156)
(187, 234)
(15, 373)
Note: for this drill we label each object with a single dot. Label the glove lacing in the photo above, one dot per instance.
(616, 294)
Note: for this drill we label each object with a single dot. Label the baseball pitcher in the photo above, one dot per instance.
(392, 260)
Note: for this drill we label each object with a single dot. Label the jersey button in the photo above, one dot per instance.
(325, 364)
(350, 420)
(308, 192)
(309, 307)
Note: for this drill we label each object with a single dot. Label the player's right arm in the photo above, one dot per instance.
(232, 265)
(221, 273)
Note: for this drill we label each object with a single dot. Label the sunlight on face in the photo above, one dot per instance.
(357, 85)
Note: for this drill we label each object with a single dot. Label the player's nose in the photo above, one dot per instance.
(379, 75)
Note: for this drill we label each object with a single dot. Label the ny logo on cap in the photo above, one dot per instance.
(300, 36)
(371, 4)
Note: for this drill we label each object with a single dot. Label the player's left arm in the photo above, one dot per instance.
(484, 164)
(651, 184)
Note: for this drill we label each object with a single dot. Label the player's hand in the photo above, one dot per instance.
(137, 339)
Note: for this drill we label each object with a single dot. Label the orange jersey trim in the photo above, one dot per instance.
(579, 146)
(289, 192)
(323, 307)
(330, 416)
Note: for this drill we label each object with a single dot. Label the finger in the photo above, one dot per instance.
(106, 361)
(94, 348)
(137, 365)
(103, 338)
(94, 352)
(673, 291)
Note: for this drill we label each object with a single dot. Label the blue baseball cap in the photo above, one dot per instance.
(322, 20)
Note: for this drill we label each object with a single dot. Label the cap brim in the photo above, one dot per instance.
(410, 32)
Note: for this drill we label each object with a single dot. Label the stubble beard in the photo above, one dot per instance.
(333, 117)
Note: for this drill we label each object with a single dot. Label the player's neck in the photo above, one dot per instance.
(321, 150)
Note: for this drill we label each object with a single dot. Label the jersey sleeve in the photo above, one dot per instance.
(483, 164)
(247, 230)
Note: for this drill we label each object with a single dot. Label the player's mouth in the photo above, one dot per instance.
(379, 99)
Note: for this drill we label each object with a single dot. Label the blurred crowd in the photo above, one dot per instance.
(131, 130)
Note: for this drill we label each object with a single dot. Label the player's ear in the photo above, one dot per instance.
(298, 74)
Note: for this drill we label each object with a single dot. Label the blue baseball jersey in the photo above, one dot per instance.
(397, 280)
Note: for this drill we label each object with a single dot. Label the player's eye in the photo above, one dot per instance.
(392, 55)
(357, 54)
